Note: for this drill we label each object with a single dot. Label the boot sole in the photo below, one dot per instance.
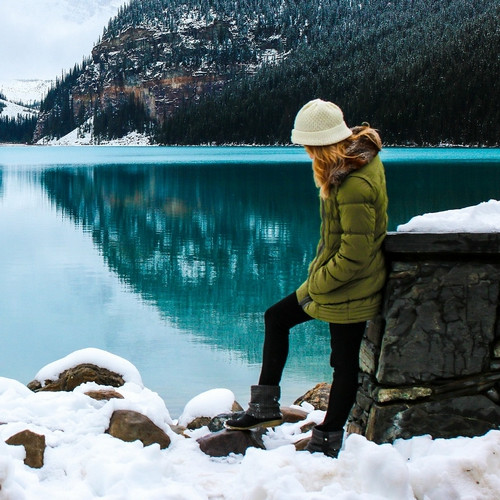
(269, 423)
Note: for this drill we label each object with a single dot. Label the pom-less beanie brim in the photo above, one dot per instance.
(319, 123)
(321, 137)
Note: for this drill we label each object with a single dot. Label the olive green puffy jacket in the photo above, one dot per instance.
(346, 277)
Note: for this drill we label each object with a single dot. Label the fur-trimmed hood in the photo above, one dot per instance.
(363, 149)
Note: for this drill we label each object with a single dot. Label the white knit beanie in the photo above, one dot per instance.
(319, 123)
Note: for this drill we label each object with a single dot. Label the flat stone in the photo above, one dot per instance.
(292, 415)
(104, 395)
(442, 243)
(385, 395)
(363, 400)
(463, 416)
(368, 357)
(374, 330)
(466, 386)
(440, 327)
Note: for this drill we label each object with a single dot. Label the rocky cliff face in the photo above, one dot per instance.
(166, 66)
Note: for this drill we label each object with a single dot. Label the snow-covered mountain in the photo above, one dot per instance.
(156, 56)
(11, 110)
(19, 92)
(199, 71)
(25, 91)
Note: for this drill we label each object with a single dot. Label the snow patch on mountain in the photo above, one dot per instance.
(12, 110)
(84, 136)
(25, 91)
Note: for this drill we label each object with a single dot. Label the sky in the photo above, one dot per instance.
(41, 38)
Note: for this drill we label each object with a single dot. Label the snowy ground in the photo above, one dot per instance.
(82, 462)
(83, 136)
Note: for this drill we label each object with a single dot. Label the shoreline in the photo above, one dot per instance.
(119, 142)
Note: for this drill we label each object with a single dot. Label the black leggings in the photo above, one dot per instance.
(345, 342)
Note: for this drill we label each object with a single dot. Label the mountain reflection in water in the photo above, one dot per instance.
(210, 246)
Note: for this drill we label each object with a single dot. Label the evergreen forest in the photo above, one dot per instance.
(423, 72)
(17, 130)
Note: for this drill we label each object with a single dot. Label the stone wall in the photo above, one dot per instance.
(431, 363)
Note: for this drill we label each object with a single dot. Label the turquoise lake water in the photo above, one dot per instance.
(168, 257)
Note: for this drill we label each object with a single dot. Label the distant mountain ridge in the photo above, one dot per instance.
(24, 91)
(13, 110)
(222, 71)
(168, 53)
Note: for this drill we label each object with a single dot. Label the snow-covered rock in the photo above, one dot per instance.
(217, 401)
(95, 356)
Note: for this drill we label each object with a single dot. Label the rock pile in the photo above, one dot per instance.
(129, 425)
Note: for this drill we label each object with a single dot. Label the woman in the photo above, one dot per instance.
(345, 278)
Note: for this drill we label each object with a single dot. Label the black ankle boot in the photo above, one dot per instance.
(263, 409)
(328, 443)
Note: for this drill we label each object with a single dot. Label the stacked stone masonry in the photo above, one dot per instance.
(430, 364)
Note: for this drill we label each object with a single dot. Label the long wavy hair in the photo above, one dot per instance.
(331, 163)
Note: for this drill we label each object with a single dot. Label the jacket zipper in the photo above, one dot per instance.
(322, 244)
